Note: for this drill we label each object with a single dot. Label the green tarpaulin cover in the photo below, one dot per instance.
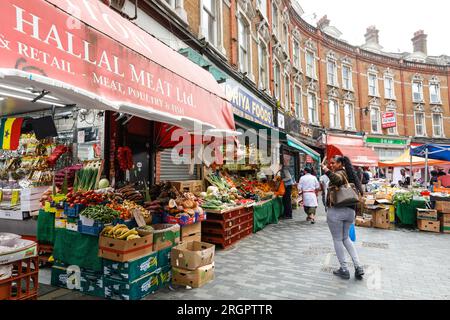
(407, 213)
(267, 213)
(78, 249)
(46, 227)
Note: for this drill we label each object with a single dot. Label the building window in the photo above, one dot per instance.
(435, 93)
(373, 85)
(277, 79)
(262, 6)
(437, 125)
(287, 93)
(420, 124)
(285, 38)
(389, 88)
(209, 21)
(296, 54)
(298, 102)
(417, 89)
(349, 112)
(347, 78)
(312, 108)
(393, 130)
(375, 120)
(263, 59)
(310, 65)
(332, 73)
(244, 45)
(334, 114)
(274, 19)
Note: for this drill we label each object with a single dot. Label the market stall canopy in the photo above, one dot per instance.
(359, 155)
(405, 161)
(432, 151)
(90, 55)
(294, 143)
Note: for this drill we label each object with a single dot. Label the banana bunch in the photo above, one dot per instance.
(120, 232)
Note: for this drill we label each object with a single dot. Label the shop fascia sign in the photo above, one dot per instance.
(93, 49)
(377, 140)
(388, 120)
(246, 105)
(306, 130)
(281, 120)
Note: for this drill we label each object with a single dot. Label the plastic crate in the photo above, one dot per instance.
(75, 211)
(23, 285)
(94, 230)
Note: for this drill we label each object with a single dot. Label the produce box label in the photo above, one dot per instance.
(132, 270)
(136, 290)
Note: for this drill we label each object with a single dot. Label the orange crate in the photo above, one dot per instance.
(23, 285)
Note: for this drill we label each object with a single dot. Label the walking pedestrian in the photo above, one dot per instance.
(340, 219)
(288, 182)
(309, 187)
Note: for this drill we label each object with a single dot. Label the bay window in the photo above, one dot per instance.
(349, 114)
(420, 124)
(375, 120)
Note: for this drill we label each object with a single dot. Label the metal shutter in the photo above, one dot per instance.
(175, 172)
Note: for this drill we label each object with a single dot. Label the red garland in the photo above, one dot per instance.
(125, 158)
(57, 153)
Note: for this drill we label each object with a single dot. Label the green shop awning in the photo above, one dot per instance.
(245, 124)
(294, 143)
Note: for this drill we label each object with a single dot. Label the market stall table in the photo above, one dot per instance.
(267, 212)
(407, 213)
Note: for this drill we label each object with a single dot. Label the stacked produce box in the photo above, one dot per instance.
(427, 220)
(443, 208)
(192, 264)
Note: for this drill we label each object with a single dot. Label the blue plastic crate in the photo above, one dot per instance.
(95, 230)
(75, 211)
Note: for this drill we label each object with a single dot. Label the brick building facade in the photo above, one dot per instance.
(307, 73)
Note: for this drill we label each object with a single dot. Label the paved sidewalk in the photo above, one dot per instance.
(294, 260)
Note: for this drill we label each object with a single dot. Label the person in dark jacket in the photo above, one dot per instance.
(340, 219)
(288, 183)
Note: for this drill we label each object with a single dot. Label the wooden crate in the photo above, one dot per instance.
(430, 226)
(193, 186)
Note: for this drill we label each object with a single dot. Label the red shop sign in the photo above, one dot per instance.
(89, 46)
(388, 120)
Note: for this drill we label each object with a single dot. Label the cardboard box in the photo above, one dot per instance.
(443, 206)
(192, 255)
(131, 270)
(445, 222)
(191, 232)
(193, 186)
(427, 214)
(164, 257)
(381, 218)
(122, 250)
(165, 236)
(136, 290)
(430, 226)
(365, 223)
(194, 279)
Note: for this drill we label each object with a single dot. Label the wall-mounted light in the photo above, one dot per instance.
(366, 111)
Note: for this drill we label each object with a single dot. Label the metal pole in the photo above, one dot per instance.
(410, 169)
(426, 167)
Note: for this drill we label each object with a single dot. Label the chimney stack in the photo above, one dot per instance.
(420, 42)
(323, 22)
(372, 36)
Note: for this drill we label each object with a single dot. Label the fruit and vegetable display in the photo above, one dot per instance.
(129, 192)
(120, 232)
(125, 158)
(101, 213)
(87, 198)
(86, 179)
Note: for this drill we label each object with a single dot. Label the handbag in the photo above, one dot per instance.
(345, 195)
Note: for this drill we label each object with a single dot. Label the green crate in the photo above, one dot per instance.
(131, 270)
(92, 284)
(165, 276)
(136, 290)
(164, 257)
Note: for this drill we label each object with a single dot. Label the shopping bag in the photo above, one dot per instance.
(352, 233)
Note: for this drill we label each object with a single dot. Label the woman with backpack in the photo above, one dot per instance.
(340, 219)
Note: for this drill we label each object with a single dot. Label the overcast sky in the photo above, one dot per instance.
(397, 21)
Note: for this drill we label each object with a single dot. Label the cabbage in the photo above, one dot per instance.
(203, 195)
(103, 184)
(212, 189)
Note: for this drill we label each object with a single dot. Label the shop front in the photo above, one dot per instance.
(388, 148)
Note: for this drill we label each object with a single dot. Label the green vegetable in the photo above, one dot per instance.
(100, 213)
